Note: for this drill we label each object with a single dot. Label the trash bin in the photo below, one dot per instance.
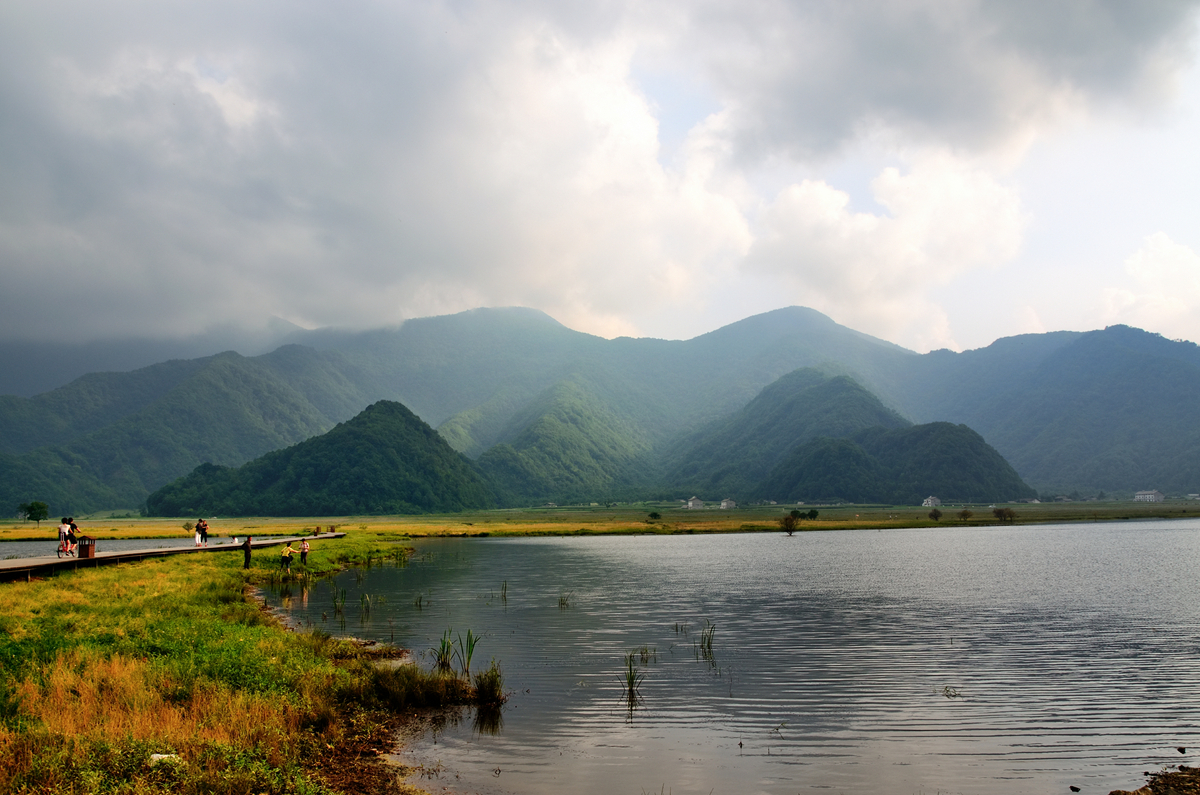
(87, 547)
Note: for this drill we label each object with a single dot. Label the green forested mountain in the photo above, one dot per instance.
(731, 456)
(895, 466)
(384, 461)
(58, 480)
(555, 414)
(1115, 410)
(569, 445)
(225, 409)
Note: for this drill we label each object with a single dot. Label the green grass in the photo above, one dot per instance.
(100, 668)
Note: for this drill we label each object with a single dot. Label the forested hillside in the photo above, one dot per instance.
(555, 414)
(895, 466)
(384, 461)
(1116, 410)
(731, 456)
(567, 446)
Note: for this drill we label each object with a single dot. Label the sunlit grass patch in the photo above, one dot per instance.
(102, 667)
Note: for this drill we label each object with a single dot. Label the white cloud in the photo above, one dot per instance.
(881, 272)
(174, 166)
(1165, 292)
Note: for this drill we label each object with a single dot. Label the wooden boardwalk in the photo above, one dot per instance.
(48, 565)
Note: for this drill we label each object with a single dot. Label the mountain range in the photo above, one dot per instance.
(547, 413)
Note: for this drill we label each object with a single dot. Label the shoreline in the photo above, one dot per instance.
(367, 755)
(630, 519)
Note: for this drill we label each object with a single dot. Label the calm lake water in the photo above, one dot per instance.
(993, 660)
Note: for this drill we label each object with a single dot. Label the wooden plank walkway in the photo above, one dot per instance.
(46, 566)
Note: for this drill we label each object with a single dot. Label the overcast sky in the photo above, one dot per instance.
(939, 174)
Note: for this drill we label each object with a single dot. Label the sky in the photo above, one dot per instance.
(938, 174)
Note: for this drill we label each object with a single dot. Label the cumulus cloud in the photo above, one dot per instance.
(169, 167)
(880, 272)
(1164, 290)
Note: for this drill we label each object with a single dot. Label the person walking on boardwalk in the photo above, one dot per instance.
(304, 552)
(285, 562)
(246, 552)
(72, 538)
(202, 531)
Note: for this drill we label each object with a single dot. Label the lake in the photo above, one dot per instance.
(988, 660)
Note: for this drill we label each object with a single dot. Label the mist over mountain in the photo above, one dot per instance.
(552, 414)
(30, 367)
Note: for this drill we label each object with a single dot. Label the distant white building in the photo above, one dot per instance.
(932, 502)
(695, 502)
(1149, 496)
(728, 504)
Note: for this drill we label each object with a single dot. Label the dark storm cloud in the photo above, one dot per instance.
(167, 167)
(808, 77)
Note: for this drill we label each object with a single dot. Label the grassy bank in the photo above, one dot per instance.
(102, 668)
(628, 519)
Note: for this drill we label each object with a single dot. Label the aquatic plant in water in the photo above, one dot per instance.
(704, 646)
(443, 655)
(489, 686)
(631, 682)
(464, 652)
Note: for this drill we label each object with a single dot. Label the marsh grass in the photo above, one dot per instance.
(464, 650)
(443, 655)
(564, 599)
(703, 646)
(489, 687)
(631, 683)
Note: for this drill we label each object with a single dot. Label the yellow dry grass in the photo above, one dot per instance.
(85, 694)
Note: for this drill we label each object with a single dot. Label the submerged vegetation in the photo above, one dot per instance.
(167, 676)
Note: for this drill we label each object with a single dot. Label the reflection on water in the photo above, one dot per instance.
(998, 660)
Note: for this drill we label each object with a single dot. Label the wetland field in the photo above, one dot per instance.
(695, 651)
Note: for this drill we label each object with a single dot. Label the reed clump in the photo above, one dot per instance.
(631, 683)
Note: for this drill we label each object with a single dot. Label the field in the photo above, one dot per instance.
(102, 669)
(575, 520)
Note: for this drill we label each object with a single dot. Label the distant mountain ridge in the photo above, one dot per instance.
(575, 415)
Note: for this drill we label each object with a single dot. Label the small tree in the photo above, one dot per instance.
(935, 514)
(964, 514)
(1005, 515)
(655, 516)
(812, 513)
(36, 510)
(789, 522)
